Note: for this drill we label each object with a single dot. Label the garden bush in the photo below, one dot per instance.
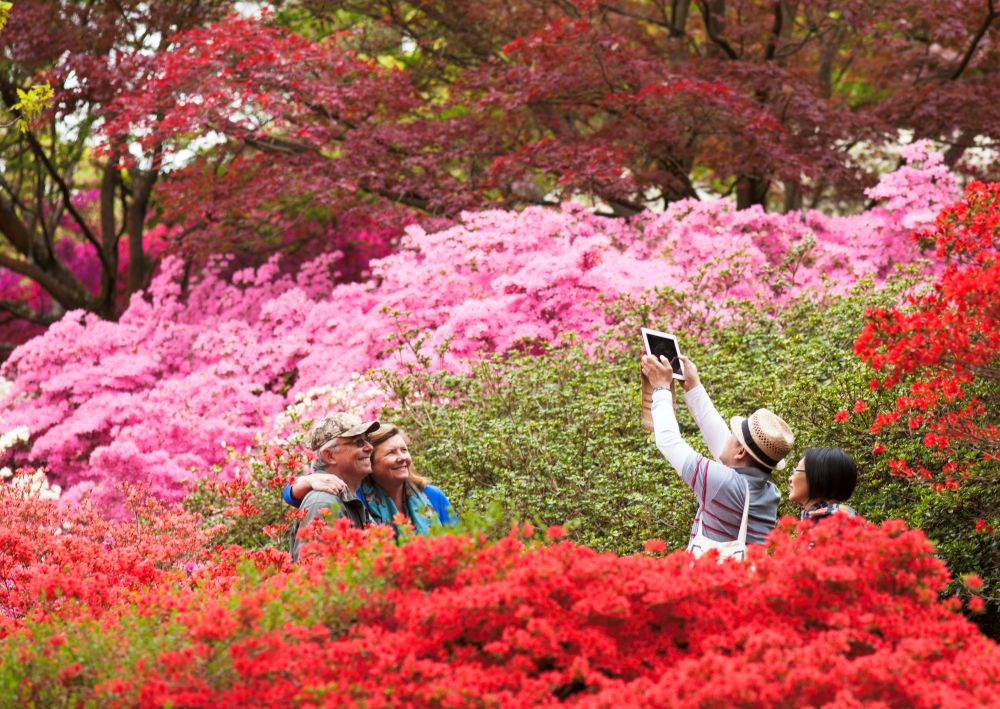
(842, 612)
(192, 364)
(555, 438)
(551, 434)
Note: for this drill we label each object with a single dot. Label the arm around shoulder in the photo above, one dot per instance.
(442, 506)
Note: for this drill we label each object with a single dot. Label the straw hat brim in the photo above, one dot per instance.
(736, 426)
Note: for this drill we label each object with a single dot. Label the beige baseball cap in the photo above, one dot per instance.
(339, 424)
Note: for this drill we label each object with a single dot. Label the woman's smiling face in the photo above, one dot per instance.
(391, 462)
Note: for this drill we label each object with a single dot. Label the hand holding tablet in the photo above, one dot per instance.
(664, 344)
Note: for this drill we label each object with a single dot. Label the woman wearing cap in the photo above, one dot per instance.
(392, 486)
(737, 500)
(822, 481)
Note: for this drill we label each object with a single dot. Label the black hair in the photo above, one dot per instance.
(830, 473)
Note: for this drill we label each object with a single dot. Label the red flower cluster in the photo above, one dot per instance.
(56, 563)
(941, 350)
(837, 612)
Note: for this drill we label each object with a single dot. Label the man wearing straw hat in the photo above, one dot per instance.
(736, 497)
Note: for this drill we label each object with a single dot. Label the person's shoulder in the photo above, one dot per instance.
(321, 498)
(713, 467)
(434, 492)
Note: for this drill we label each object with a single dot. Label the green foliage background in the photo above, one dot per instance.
(555, 437)
(552, 435)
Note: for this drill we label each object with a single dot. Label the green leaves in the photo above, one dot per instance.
(555, 438)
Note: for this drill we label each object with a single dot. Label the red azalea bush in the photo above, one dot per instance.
(841, 612)
(57, 562)
(940, 351)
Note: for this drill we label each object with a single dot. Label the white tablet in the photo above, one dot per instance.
(662, 343)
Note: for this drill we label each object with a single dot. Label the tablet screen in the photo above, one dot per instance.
(666, 346)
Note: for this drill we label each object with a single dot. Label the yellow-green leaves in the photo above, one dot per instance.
(5, 8)
(31, 103)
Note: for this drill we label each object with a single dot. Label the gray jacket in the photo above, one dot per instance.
(315, 502)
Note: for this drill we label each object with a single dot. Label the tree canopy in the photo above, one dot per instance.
(333, 124)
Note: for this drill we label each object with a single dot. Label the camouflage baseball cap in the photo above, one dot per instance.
(339, 425)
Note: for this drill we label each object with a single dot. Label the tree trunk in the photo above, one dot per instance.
(793, 197)
(751, 191)
(138, 265)
(957, 149)
(678, 16)
(109, 236)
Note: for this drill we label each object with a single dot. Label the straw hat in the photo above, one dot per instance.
(766, 437)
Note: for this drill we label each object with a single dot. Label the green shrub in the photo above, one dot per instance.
(555, 437)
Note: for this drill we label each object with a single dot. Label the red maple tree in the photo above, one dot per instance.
(73, 228)
(350, 117)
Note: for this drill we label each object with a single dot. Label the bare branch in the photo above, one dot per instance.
(706, 15)
(991, 15)
(10, 98)
(21, 311)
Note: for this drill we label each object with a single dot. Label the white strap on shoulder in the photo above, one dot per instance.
(746, 513)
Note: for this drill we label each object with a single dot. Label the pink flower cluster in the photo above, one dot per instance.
(161, 394)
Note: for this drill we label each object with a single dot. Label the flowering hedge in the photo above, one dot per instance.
(151, 396)
(939, 352)
(843, 612)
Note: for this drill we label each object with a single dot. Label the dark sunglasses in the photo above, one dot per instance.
(357, 441)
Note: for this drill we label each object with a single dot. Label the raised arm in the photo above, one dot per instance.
(668, 434)
(713, 427)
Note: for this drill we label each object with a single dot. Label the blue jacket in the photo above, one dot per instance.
(439, 501)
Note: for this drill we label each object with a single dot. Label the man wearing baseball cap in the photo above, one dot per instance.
(736, 496)
(343, 451)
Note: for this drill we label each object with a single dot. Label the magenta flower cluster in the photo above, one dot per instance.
(150, 397)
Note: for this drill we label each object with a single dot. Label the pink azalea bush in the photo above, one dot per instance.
(185, 378)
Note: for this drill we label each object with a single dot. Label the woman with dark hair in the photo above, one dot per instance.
(822, 481)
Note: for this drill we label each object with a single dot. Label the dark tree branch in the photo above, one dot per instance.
(14, 195)
(772, 41)
(635, 16)
(67, 200)
(109, 238)
(991, 15)
(720, 42)
(14, 229)
(678, 17)
(21, 311)
(135, 221)
(10, 98)
(61, 285)
(47, 233)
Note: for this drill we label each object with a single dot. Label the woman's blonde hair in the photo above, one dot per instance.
(383, 434)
